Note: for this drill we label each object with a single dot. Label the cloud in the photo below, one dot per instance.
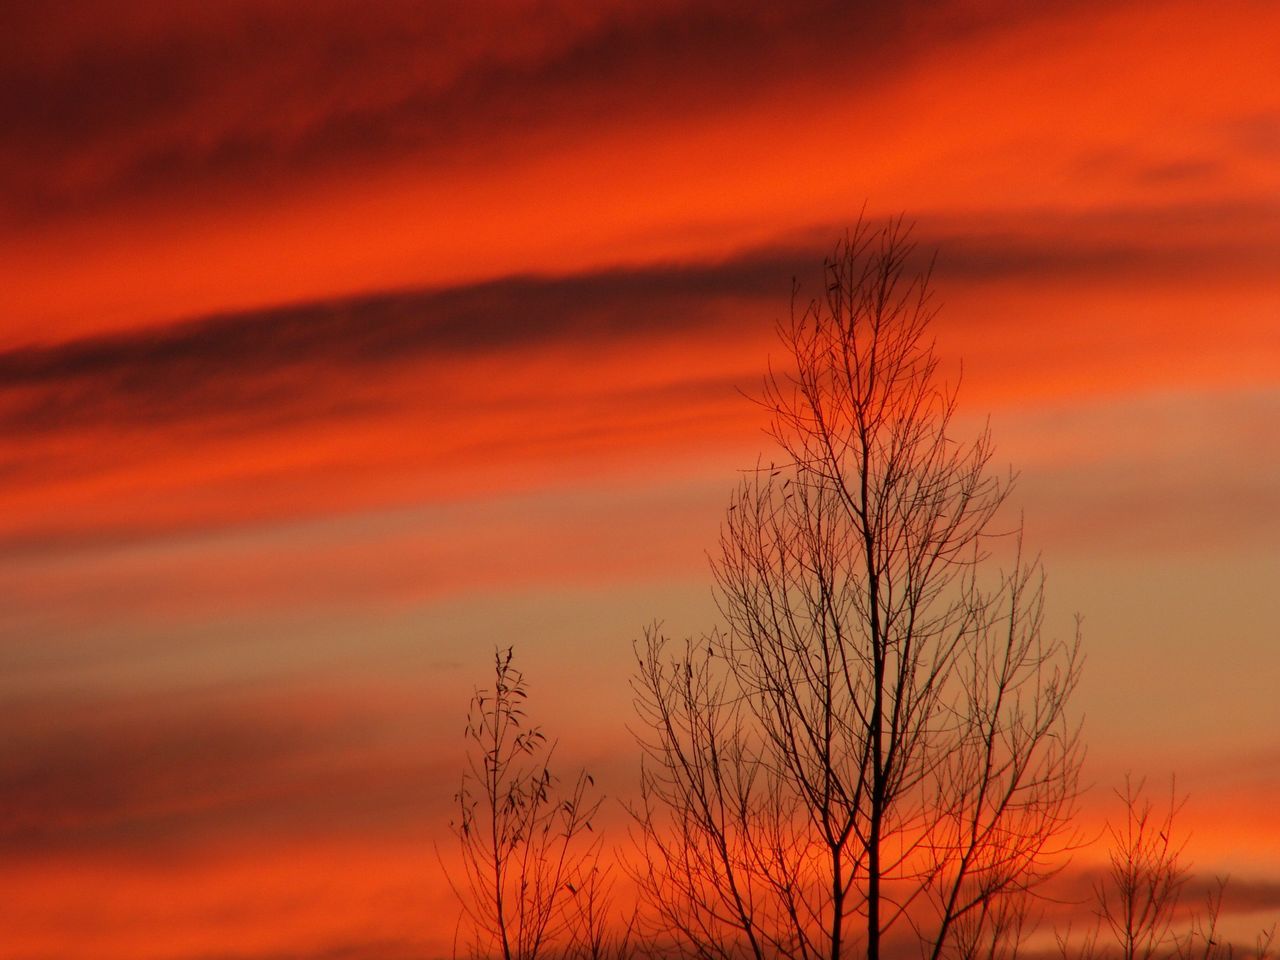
(261, 899)
(392, 398)
(249, 96)
(284, 368)
(382, 399)
(373, 949)
(191, 368)
(1139, 246)
(156, 776)
(275, 364)
(1246, 895)
(579, 137)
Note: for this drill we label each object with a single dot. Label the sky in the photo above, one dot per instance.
(340, 344)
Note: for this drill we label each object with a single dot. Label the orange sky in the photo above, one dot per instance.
(342, 343)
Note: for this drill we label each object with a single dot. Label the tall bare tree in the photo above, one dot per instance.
(877, 738)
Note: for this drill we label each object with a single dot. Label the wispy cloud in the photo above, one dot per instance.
(126, 102)
(156, 777)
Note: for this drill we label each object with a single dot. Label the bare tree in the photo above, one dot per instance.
(532, 883)
(877, 738)
(1138, 896)
(1203, 941)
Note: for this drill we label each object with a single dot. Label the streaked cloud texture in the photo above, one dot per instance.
(344, 342)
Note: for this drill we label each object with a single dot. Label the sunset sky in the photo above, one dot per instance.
(342, 343)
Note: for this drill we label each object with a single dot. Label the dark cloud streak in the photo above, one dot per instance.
(249, 98)
(95, 776)
(278, 365)
(251, 361)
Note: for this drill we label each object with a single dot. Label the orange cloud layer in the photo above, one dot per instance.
(338, 348)
(992, 111)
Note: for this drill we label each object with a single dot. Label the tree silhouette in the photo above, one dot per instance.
(877, 738)
(532, 883)
(1138, 898)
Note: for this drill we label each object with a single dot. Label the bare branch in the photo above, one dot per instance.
(879, 734)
